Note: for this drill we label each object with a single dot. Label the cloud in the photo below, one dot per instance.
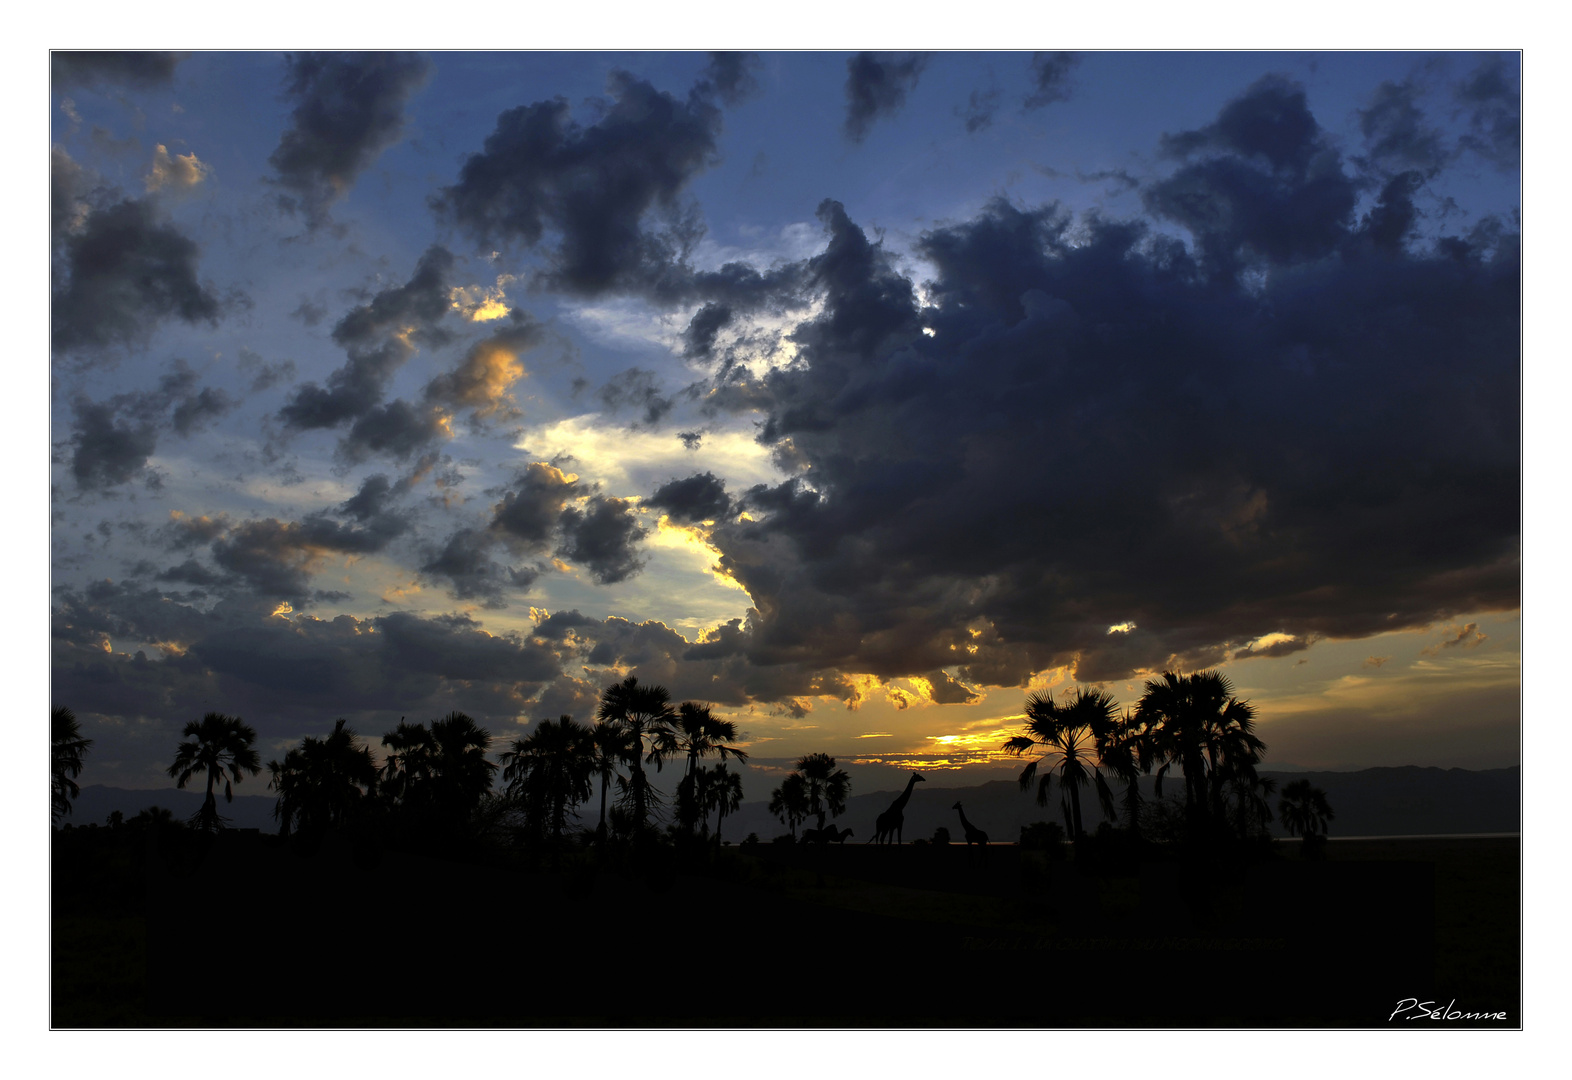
(980, 106)
(1260, 183)
(378, 336)
(113, 439)
(1051, 78)
(1494, 107)
(604, 537)
(1397, 137)
(697, 498)
(97, 70)
(1098, 431)
(349, 108)
(591, 188)
(1468, 636)
(876, 89)
(178, 173)
(119, 269)
(636, 388)
(465, 561)
(730, 76)
(532, 507)
(285, 675)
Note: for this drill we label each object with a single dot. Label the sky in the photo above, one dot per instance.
(857, 395)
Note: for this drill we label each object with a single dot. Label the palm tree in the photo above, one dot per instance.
(550, 769)
(1122, 748)
(1196, 723)
(441, 772)
(217, 744)
(1304, 809)
(827, 785)
(697, 735)
(644, 713)
(1068, 734)
(66, 750)
(610, 746)
(320, 782)
(789, 802)
(722, 793)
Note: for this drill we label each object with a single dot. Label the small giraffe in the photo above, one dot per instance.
(889, 824)
(974, 835)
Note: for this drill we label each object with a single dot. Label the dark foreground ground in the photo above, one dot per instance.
(248, 931)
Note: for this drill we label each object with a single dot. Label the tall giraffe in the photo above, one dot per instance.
(974, 835)
(890, 822)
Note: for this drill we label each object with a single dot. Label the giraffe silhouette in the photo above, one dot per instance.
(974, 835)
(890, 822)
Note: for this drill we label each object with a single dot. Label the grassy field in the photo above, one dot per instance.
(860, 936)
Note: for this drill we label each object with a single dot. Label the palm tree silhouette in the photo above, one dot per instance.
(550, 770)
(1304, 809)
(827, 785)
(66, 750)
(1068, 735)
(320, 782)
(441, 773)
(645, 713)
(698, 734)
(789, 802)
(1123, 749)
(1196, 723)
(722, 793)
(217, 744)
(611, 745)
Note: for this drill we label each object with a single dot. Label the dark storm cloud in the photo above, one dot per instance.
(378, 337)
(730, 76)
(590, 186)
(120, 270)
(876, 89)
(349, 107)
(1397, 134)
(701, 497)
(200, 409)
(604, 536)
(132, 70)
(1493, 105)
(1051, 78)
(1261, 183)
(397, 429)
(1103, 430)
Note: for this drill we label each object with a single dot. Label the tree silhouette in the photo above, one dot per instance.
(827, 785)
(439, 774)
(1068, 736)
(320, 782)
(216, 744)
(550, 770)
(1195, 722)
(66, 750)
(611, 745)
(789, 802)
(722, 793)
(1123, 749)
(645, 714)
(1304, 810)
(697, 735)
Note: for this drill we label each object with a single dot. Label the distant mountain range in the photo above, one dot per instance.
(1370, 802)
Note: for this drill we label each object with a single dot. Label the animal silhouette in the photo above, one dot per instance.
(827, 835)
(890, 822)
(974, 835)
